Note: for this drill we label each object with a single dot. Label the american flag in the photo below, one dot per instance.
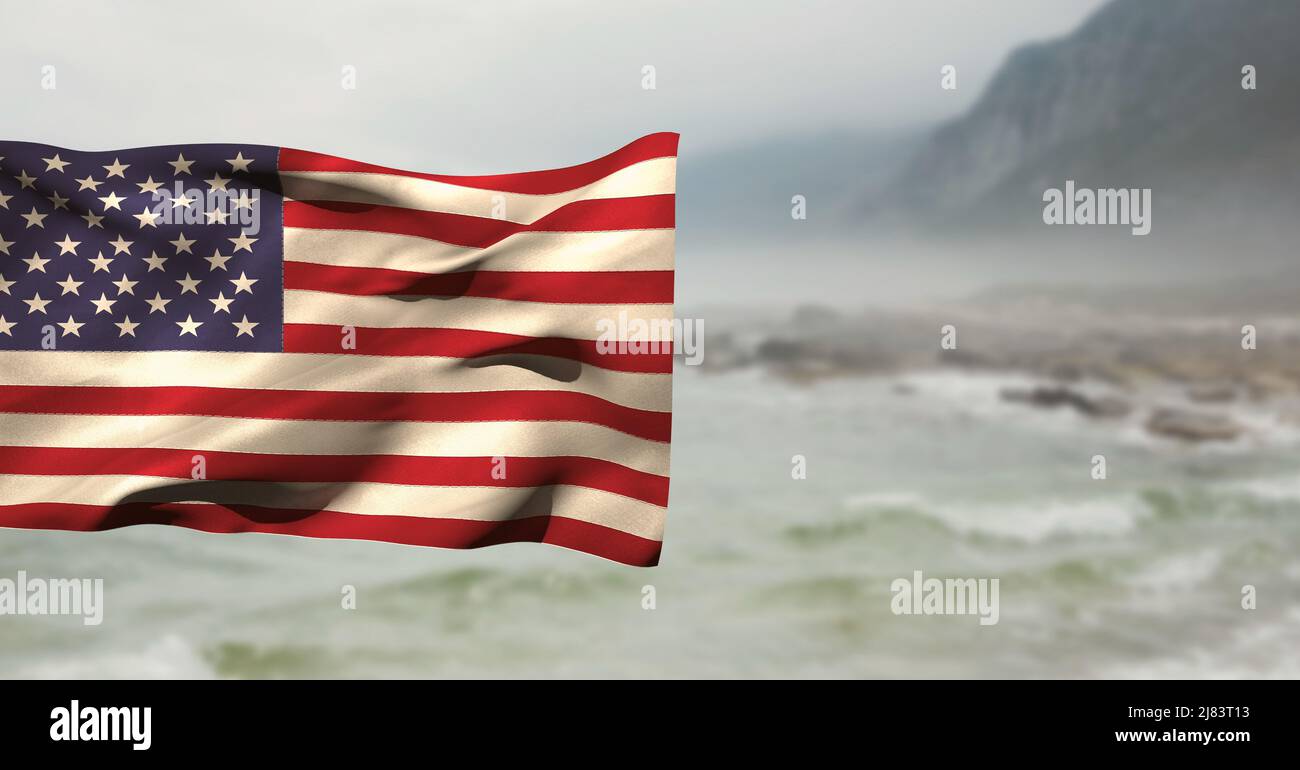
(243, 338)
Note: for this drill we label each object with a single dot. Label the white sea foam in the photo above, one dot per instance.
(1027, 520)
(1179, 572)
(1277, 489)
(1256, 650)
(171, 657)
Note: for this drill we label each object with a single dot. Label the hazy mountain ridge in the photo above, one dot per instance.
(1142, 95)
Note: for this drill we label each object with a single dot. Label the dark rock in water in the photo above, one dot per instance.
(1263, 386)
(784, 351)
(825, 355)
(859, 360)
(1192, 426)
(1052, 397)
(1208, 392)
(1049, 397)
(1103, 406)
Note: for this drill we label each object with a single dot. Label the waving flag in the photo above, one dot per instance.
(241, 338)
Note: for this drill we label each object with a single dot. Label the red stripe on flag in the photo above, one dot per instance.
(334, 406)
(617, 287)
(586, 472)
(409, 530)
(647, 212)
(464, 343)
(662, 145)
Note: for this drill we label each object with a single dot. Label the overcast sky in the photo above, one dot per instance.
(497, 86)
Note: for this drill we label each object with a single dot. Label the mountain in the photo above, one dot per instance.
(1143, 94)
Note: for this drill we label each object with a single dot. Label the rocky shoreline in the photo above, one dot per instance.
(1185, 374)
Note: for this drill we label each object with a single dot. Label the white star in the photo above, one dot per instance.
(93, 220)
(5, 326)
(71, 326)
(155, 262)
(157, 304)
(126, 326)
(244, 283)
(36, 263)
(124, 286)
(148, 218)
(117, 169)
(103, 304)
(216, 216)
(148, 186)
(243, 242)
(220, 304)
(55, 164)
(184, 200)
(180, 165)
(189, 326)
(239, 162)
(59, 201)
(68, 246)
(216, 261)
(4, 200)
(121, 246)
(217, 182)
(100, 263)
(4, 245)
(88, 183)
(26, 181)
(112, 201)
(183, 244)
(4, 285)
(189, 285)
(69, 286)
(34, 219)
(244, 201)
(36, 304)
(245, 327)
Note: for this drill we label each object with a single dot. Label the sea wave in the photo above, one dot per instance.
(1258, 650)
(1031, 521)
(170, 657)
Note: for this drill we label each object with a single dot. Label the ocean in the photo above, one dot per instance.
(764, 575)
